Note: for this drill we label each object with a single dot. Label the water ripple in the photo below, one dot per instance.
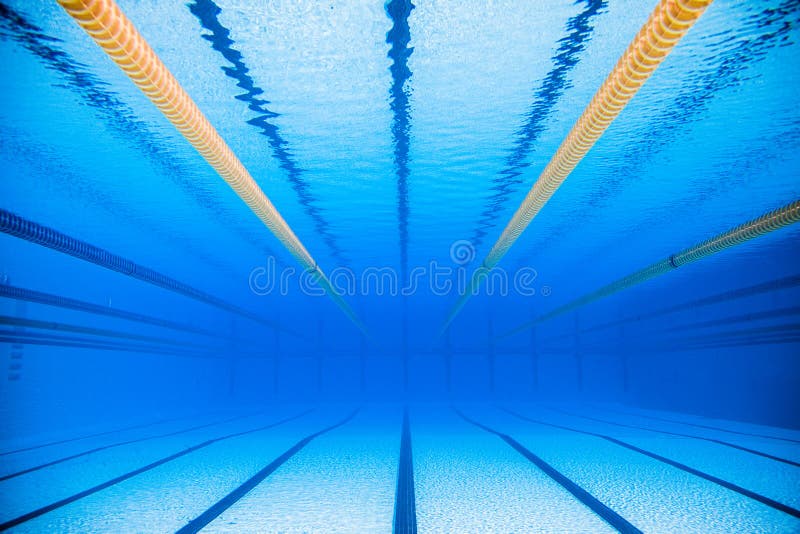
(547, 96)
(207, 12)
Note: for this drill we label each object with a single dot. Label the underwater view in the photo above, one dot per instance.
(367, 266)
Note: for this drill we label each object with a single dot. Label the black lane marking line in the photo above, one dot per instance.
(405, 508)
(121, 443)
(683, 467)
(208, 14)
(104, 433)
(399, 37)
(678, 434)
(547, 96)
(85, 493)
(698, 425)
(231, 498)
(607, 514)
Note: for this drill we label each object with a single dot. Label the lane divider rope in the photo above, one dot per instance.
(7, 320)
(667, 24)
(78, 342)
(59, 301)
(14, 225)
(108, 26)
(774, 220)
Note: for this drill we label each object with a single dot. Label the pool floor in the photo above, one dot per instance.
(393, 468)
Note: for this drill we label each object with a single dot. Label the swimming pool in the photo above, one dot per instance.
(439, 266)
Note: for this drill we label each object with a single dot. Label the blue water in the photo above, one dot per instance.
(167, 364)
